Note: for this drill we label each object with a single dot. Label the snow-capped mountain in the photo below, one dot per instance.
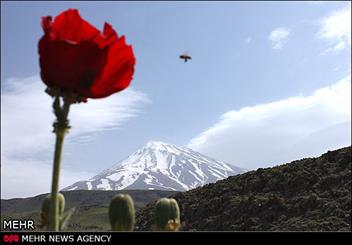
(159, 166)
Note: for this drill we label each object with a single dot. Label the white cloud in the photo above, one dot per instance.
(279, 37)
(29, 177)
(339, 46)
(336, 29)
(248, 40)
(27, 114)
(27, 118)
(278, 132)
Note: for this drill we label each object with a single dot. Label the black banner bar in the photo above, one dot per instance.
(14, 238)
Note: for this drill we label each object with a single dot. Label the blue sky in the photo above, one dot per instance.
(265, 77)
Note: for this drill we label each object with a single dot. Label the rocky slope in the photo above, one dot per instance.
(312, 194)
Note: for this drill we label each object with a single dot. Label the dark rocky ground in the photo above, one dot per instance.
(312, 194)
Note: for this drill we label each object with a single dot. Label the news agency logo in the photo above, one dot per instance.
(18, 224)
(11, 238)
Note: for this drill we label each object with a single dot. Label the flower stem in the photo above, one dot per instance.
(54, 211)
(60, 128)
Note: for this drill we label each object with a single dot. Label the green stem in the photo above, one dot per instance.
(60, 128)
(54, 210)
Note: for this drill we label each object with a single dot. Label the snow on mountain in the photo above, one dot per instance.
(160, 166)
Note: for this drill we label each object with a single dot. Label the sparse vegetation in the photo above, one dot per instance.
(122, 213)
(91, 212)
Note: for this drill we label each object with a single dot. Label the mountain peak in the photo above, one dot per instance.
(155, 144)
(162, 147)
(162, 166)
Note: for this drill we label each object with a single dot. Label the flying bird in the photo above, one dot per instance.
(185, 57)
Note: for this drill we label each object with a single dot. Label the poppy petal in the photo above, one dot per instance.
(71, 27)
(77, 57)
(118, 71)
(73, 67)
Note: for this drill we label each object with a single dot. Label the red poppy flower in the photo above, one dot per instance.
(76, 57)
